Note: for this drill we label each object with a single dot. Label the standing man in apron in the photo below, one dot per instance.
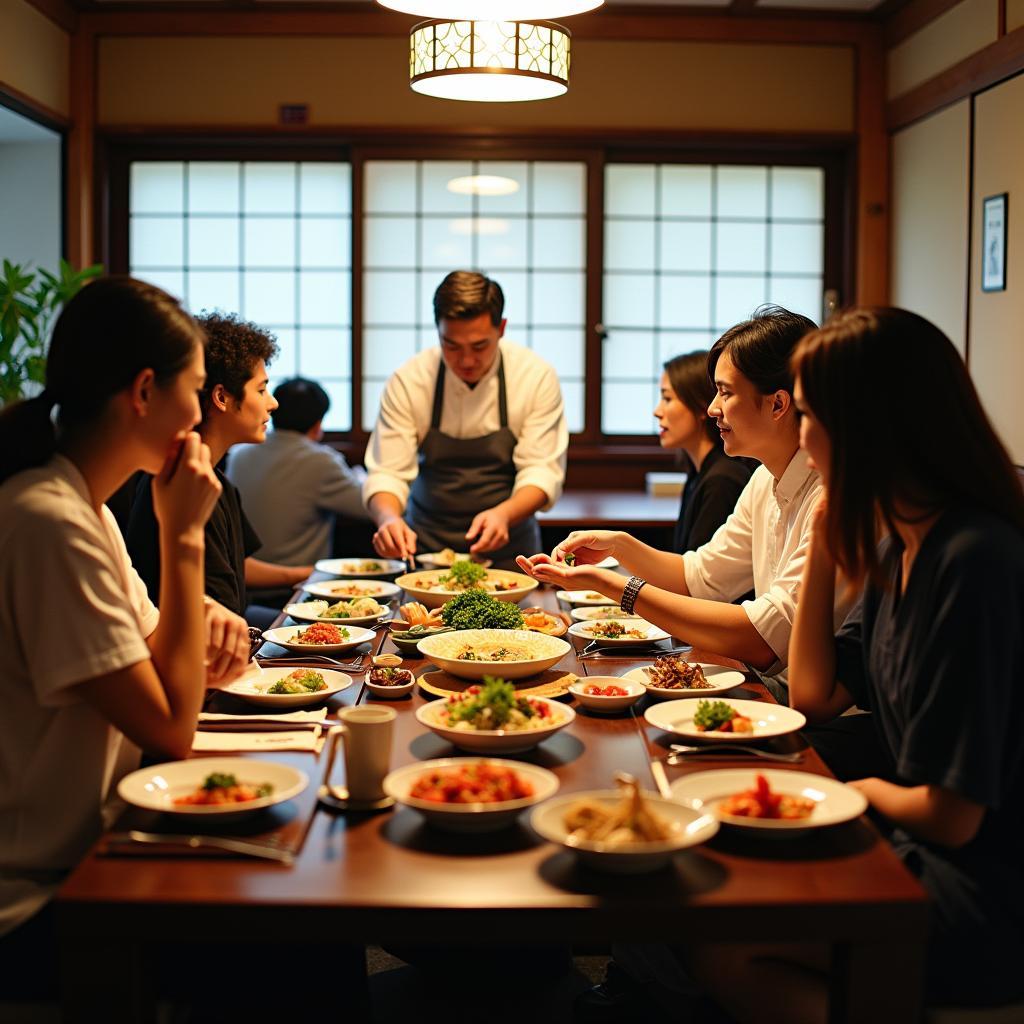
(470, 439)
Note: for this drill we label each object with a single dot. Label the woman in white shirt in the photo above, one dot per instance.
(88, 670)
(760, 547)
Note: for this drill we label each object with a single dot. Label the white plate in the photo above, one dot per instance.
(834, 802)
(470, 817)
(693, 827)
(720, 678)
(282, 636)
(253, 688)
(358, 566)
(306, 611)
(334, 590)
(494, 741)
(584, 613)
(579, 597)
(654, 634)
(412, 584)
(606, 705)
(430, 560)
(442, 649)
(676, 716)
(157, 787)
(607, 563)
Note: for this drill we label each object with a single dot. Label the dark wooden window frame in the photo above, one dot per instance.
(591, 452)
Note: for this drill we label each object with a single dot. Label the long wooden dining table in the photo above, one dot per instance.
(390, 878)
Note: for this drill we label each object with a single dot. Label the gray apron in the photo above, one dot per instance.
(459, 477)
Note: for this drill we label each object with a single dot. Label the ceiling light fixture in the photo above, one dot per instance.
(489, 61)
(483, 185)
(492, 10)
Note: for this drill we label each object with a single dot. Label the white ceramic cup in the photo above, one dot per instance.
(366, 733)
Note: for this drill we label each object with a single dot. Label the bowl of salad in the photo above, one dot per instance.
(493, 719)
(288, 688)
(606, 695)
(464, 795)
(434, 587)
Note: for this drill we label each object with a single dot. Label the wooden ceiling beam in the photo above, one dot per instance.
(60, 12)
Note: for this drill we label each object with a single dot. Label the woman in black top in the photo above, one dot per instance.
(714, 480)
(923, 507)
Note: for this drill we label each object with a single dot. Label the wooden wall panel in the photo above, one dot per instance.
(942, 43)
(34, 56)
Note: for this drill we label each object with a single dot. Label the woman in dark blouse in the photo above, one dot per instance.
(714, 481)
(923, 507)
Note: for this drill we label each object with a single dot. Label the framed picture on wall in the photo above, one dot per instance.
(993, 243)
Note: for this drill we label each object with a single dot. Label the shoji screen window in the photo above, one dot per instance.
(690, 250)
(270, 241)
(422, 219)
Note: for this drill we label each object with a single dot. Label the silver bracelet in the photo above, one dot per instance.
(629, 594)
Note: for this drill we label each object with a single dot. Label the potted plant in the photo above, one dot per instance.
(29, 301)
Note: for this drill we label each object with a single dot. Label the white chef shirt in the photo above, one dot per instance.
(762, 547)
(535, 417)
(71, 608)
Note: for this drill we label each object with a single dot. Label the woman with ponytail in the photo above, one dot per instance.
(89, 673)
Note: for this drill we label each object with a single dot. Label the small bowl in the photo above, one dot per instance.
(408, 645)
(387, 692)
(607, 705)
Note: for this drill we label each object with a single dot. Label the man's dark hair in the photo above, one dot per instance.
(463, 295)
(760, 348)
(233, 347)
(301, 404)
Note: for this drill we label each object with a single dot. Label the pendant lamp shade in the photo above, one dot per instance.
(489, 61)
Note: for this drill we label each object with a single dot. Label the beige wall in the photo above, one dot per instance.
(997, 318)
(1014, 14)
(930, 182)
(724, 87)
(34, 55)
(962, 30)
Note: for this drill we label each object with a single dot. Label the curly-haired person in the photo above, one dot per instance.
(236, 405)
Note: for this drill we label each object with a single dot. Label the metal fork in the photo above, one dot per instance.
(595, 650)
(248, 848)
(311, 661)
(681, 751)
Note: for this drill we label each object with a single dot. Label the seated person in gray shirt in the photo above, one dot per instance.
(292, 486)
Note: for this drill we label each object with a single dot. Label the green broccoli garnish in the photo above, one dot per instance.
(476, 609)
(219, 780)
(496, 695)
(465, 575)
(570, 559)
(712, 715)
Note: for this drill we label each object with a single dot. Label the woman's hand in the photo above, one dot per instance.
(186, 490)
(573, 577)
(588, 547)
(227, 644)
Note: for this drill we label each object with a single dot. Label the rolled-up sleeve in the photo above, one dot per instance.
(723, 569)
(543, 441)
(772, 613)
(391, 455)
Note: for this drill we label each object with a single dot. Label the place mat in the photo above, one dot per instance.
(550, 683)
(246, 742)
(214, 722)
(286, 825)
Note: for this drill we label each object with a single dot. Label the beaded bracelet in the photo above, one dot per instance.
(629, 594)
